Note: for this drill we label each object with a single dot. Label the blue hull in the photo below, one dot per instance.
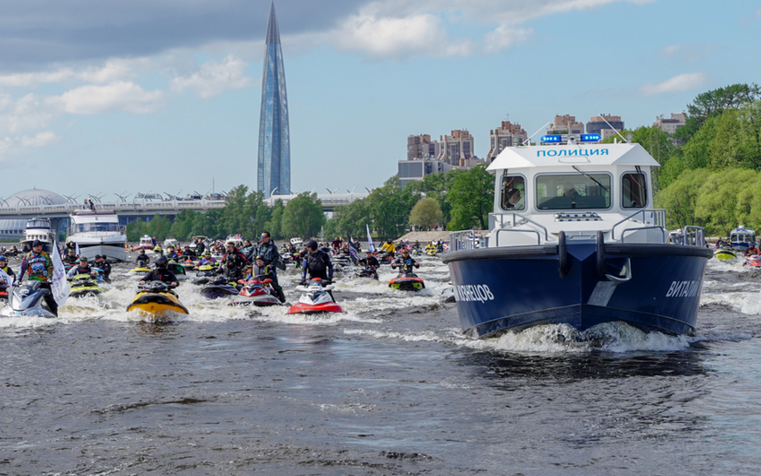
(651, 287)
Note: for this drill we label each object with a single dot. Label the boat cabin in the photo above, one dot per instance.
(741, 238)
(576, 188)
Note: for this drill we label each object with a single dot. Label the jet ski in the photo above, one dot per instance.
(218, 288)
(366, 273)
(407, 281)
(156, 298)
(142, 267)
(316, 299)
(385, 257)
(178, 270)
(83, 285)
(27, 300)
(753, 260)
(725, 254)
(257, 292)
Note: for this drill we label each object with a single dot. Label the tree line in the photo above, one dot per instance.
(458, 200)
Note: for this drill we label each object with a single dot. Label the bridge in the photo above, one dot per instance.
(143, 208)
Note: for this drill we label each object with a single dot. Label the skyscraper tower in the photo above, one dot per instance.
(274, 164)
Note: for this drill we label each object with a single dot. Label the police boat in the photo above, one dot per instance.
(574, 239)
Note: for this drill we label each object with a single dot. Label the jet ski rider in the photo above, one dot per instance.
(71, 258)
(233, 263)
(271, 256)
(161, 273)
(316, 263)
(370, 261)
(81, 268)
(5, 268)
(405, 262)
(40, 268)
(103, 265)
(142, 258)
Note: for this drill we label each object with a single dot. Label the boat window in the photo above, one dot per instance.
(577, 191)
(90, 227)
(513, 193)
(633, 190)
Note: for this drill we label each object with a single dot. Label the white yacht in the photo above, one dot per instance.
(38, 229)
(98, 233)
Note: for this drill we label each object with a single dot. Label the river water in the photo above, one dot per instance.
(390, 387)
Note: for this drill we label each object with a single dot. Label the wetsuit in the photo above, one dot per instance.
(106, 268)
(271, 257)
(40, 268)
(163, 275)
(75, 270)
(405, 265)
(142, 257)
(71, 260)
(318, 265)
(233, 264)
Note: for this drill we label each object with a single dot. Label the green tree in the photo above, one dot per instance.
(159, 227)
(715, 102)
(680, 197)
(426, 213)
(390, 206)
(303, 216)
(349, 220)
(437, 186)
(275, 225)
(136, 229)
(472, 199)
(717, 199)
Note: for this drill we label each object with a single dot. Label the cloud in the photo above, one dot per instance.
(504, 37)
(41, 139)
(121, 95)
(113, 70)
(685, 53)
(679, 83)
(215, 78)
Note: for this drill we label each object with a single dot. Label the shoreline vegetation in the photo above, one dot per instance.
(710, 176)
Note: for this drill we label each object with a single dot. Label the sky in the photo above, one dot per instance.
(105, 98)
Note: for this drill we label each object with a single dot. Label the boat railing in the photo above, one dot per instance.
(516, 219)
(463, 240)
(656, 218)
(641, 228)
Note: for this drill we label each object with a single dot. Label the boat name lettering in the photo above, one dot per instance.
(570, 153)
(684, 289)
(473, 292)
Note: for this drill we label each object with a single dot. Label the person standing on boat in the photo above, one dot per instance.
(40, 268)
(317, 263)
(161, 273)
(271, 257)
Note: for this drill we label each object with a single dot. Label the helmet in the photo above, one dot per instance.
(3, 258)
(161, 262)
(36, 243)
(83, 258)
(260, 257)
(312, 245)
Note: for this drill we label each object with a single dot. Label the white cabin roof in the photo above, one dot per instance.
(574, 154)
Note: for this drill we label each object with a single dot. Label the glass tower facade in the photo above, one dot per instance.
(274, 164)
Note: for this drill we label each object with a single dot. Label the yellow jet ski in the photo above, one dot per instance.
(142, 267)
(725, 254)
(157, 299)
(83, 285)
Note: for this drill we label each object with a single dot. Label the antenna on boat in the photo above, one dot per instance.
(614, 129)
(535, 133)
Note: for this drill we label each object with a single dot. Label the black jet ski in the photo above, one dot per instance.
(366, 273)
(27, 300)
(407, 281)
(83, 285)
(218, 288)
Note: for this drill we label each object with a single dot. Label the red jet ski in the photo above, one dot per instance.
(407, 282)
(753, 260)
(257, 292)
(315, 300)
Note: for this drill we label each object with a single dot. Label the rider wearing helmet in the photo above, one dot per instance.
(405, 262)
(316, 263)
(161, 273)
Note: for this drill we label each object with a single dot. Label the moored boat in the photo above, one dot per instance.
(573, 240)
(741, 238)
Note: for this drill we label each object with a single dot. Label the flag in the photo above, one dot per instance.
(7, 278)
(59, 286)
(76, 247)
(370, 246)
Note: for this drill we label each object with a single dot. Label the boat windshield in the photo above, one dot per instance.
(91, 227)
(562, 192)
(38, 224)
(744, 237)
(513, 192)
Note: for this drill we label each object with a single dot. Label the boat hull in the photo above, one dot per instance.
(513, 288)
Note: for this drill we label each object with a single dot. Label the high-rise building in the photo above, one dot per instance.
(671, 125)
(455, 147)
(421, 147)
(566, 125)
(507, 135)
(274, 164)
(597, 125)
